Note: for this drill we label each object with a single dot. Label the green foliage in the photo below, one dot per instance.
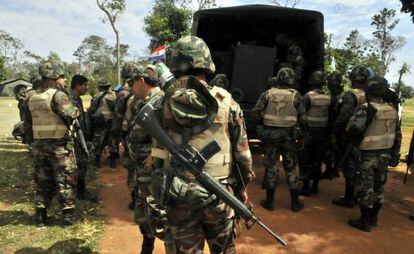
(4, 72)
(408, 7)
(167, 22)
(407, 92)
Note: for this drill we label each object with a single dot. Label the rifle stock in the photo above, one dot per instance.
(194, 161)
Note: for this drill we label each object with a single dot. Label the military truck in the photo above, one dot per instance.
(251, 43)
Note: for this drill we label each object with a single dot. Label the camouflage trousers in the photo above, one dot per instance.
(82, 161)
(101, 139)
(273, 149)
(310, 159)
(55, 172)
(370, 179)
(214, 223)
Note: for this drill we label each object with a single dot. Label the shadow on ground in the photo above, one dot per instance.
(71, 246)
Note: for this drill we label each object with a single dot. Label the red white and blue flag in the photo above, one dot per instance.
(157, 54)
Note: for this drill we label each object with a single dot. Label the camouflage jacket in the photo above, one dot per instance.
(346, 108)
(120, 109)
(77, 102)
(61, 105)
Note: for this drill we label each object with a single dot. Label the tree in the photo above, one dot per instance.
(405, 69)
(4, 73)
(113, 10)
(408, 7)
(11, 50)
(384, 23)
(199, 4)
(167, 22)
(285, 3)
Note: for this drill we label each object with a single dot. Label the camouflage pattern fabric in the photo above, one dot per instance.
(273, 149)
(191, 52)
(55, 172)
(213, 223)
(359, 74)
(120, 109)
(101, 139)
(51, 69)
(82, 160)
(371, 177)
(127, 71)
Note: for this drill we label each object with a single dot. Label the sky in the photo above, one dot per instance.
(61, 25)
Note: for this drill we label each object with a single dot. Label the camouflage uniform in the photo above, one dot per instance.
(317, 104)
(20, 94)
(347, 106)
(377, 123)
(102, 110)
(211, 221)
(280, 135)
(50, 111)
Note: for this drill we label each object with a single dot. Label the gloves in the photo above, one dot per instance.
(164, 74)
(198, 197)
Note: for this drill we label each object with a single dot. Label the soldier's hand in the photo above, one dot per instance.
(242, 195)
(148, 162)
(198, 197)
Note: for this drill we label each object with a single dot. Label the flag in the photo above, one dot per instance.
(157, 54)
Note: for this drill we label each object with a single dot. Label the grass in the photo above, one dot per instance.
(407, 124)
(18, 234)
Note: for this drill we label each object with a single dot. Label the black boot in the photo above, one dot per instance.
(315, 187)
(40, 217)
(68, 217)
(147, 245)
(296, 204)
(374, 214)
(362, 223)
(306, 191)
(411, 217)
(112, 162)
(83, 193)
(131, 205)
(348, 200)
(269, 203)
(329, 172)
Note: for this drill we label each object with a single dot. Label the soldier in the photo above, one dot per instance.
(376, 124)
(196, 113)
(220, 80)
(47, 127)
(102, 111)
(145, 88)
(336, 90)
(317, 104)
(20, 92)
(283, 117)
(347, 106)
(79, 87)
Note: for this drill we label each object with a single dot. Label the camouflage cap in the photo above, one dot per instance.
(51, 69)
(220, 80)
(189, 105)
(103, 83)
(317, 78)
(359, 74)
(335, 79)
(148, 71)
(191, 52)
(128, 70)
(375, 87)
(285, 77)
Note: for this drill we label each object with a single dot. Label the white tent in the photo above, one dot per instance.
(7, 86)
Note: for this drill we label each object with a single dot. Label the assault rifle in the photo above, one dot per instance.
(81, 137)
(194, 160)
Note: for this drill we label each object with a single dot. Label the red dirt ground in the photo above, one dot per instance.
(320, 228)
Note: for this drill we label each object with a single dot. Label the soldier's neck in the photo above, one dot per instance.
(49, 83)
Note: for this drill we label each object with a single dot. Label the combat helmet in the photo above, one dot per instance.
(359, 74)
(127, 71)
(375, 87)
(334, 79)
(51, 69)
(191, 52)
(103, 83)
(285, 77)
(317, 79)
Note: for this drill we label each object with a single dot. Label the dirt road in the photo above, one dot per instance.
(319, 228)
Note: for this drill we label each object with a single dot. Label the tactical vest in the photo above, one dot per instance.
(46, 124)
(280, 110)
(380, 134)
(219, 166)
(360, 96)
(318, 113)
(128, 113)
